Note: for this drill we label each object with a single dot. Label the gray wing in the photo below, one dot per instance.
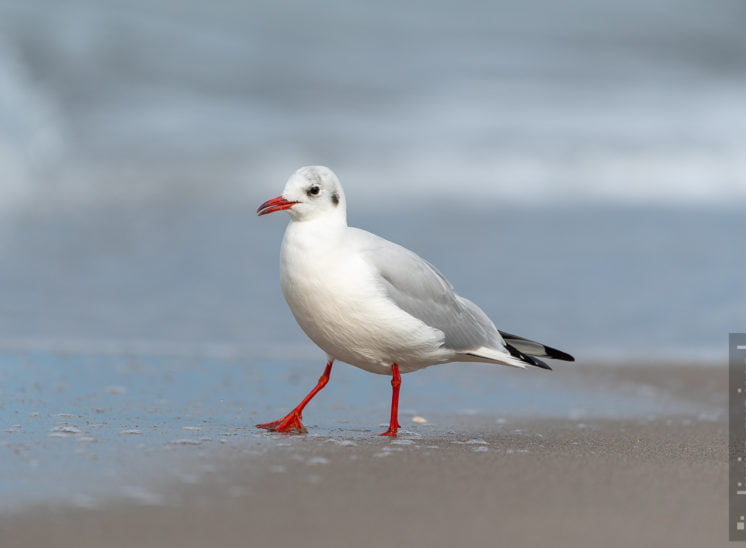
(418, 288)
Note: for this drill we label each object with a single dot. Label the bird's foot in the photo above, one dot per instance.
(290, 424)
(392, 431)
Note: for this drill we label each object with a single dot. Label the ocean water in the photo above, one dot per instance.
(578, 169)
(599, 282)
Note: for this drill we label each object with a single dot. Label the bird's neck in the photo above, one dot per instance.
(328, 221)
(319, 232)
(308, 250)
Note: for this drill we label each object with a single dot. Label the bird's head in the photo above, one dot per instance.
(310, 193)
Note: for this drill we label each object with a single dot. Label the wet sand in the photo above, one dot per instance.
(527, 483)
(462, 479)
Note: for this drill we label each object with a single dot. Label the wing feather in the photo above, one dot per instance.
(418, 288)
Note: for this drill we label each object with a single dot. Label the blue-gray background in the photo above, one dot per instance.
(577, 168)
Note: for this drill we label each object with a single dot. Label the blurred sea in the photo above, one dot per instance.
(577, 168)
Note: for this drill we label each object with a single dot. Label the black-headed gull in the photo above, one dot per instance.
(375, 304)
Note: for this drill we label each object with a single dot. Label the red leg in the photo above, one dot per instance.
(291, 423)
(395, 384)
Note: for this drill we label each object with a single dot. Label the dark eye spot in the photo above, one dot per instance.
(335, 199)
(314, 190)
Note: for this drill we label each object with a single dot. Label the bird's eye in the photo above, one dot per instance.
(314, 190)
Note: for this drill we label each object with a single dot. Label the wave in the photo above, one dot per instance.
(103, 104)
(30, 140)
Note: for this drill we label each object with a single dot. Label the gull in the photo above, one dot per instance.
(374, 304)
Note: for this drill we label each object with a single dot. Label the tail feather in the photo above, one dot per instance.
(490, 355)
(518, 352)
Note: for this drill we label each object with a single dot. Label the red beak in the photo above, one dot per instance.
(275, 204)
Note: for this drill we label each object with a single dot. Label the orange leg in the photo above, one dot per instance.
(395, 384)
(291, 423)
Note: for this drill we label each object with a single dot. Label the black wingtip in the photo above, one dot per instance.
(558, 354)
(543, 365)
(531, 360)
(548, 350)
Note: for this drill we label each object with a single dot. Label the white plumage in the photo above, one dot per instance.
(372, 303)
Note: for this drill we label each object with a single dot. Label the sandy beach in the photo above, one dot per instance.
(462, 479)
(541, 482)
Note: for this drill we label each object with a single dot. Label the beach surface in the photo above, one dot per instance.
(647, 469)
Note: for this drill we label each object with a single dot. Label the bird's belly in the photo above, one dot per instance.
(355, 323)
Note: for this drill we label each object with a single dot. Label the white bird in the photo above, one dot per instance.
(375, 304)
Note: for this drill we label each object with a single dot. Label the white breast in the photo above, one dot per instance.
(336, 298)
